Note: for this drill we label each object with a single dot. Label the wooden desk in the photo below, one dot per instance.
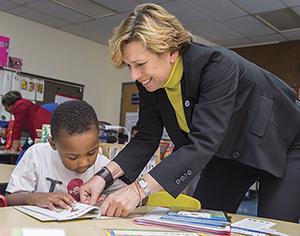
(7, 157)
(5, 172)
(11, 218)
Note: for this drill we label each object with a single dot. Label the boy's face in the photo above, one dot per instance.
(78, 152)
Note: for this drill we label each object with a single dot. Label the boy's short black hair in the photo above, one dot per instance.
(73, 117)
(11, 97)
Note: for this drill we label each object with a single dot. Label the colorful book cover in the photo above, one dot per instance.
(203, 214)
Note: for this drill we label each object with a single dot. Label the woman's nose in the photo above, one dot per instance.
(134, 74)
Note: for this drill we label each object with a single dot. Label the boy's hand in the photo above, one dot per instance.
(51, 200)
(90, 191)
(100, 200)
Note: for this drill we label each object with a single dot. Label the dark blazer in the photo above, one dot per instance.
(234, 110)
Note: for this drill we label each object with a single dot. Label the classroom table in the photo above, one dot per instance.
(8, 157)
(5, 172)
(12, 218)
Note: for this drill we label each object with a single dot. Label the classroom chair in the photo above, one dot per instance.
(164, 199)
(3, 201)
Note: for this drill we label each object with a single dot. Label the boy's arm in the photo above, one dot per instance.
(19, 198)
(46, 200)
(21, 189)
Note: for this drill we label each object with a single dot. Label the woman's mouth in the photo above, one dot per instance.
(146, 81)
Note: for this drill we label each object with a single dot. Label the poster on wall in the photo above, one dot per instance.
(40, 87)
(4, 45)
(24, 86)
(31, 89)
(130, 119)
(6, 81)
(15, 82)
(60, 98)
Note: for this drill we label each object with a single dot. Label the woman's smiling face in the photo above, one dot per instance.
(150, 69)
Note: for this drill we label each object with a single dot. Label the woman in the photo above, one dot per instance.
(25, 116)
(228, 118)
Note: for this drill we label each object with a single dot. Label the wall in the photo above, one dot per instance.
(52, 53)
(282, 59)
(55, 54)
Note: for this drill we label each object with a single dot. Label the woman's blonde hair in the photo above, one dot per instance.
(151, 24)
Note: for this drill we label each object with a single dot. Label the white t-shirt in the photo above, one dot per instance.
(41, 167)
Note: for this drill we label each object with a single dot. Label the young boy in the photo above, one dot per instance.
(49, 174)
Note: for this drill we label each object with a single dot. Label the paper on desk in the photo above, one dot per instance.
(44, 232)
(247, 232)
(255, 224)
(255, 227)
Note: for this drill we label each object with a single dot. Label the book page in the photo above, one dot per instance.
(44, 214)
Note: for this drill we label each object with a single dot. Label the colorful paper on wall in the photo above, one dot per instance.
(5, 82)
(31, 89)
(15, 82)
(24, 86)
(4, 45)
(40, 87)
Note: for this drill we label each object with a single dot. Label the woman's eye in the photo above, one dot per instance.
(141, 64)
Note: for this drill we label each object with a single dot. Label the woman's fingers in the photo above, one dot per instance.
(120, 203)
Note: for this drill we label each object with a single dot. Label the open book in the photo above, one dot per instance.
(80, 210)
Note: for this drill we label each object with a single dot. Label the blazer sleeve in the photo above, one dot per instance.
(134, 157)
(210, 119)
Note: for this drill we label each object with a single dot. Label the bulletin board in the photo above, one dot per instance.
(52, 87)
(129, 102)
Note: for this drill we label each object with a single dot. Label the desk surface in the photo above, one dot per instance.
(11, 218)
(5, 172)
(8, 157)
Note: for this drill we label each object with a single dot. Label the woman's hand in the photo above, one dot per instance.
(90, 191)
(121, 202)
(51, 200)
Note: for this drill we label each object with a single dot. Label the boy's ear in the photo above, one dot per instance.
(52, 143)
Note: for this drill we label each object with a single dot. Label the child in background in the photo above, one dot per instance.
(49, 174)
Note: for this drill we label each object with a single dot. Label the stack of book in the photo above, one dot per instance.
(202, 221)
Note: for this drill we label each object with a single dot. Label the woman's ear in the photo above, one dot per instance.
(173, 56)
(52, 143)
